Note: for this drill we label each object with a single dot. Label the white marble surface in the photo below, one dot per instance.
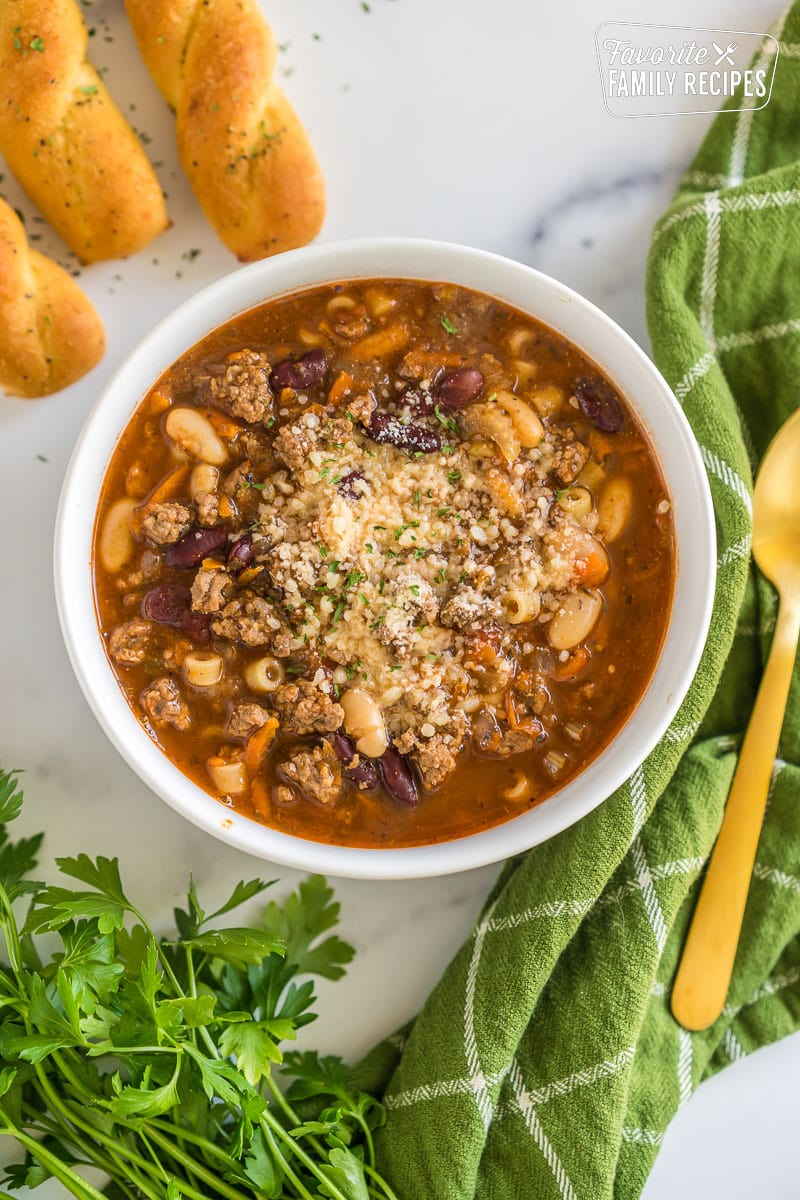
(474, 122)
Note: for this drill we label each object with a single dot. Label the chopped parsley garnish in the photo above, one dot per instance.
(443, 512)
(354, 578)
(448, 325)
(414, 589)
(368, 546)
(493, 396)
(441, 575)
(448, 422)
(395, 668)
(91, 90)
(432, 657)
(378, 621)
(37, 44)
(420, 552)
(453, 477)
(323, 549)
(383, 527)
(417, 497)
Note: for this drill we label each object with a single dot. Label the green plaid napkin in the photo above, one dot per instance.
(546, 1063)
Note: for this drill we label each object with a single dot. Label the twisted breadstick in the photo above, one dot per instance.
(64, 138)
(49, 333)
(247, 156)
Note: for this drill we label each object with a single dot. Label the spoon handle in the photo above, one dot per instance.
(706, 966)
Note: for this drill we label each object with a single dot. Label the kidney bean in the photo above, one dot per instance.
(459, 388)
(345, 485)
(299, 373)
(171, 604)
(417, 400)
(397, 777)
(598, 402)
(241, 553)
(194, 546)
(365, 774)
(385, 428)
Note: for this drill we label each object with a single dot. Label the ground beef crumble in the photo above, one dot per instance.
(163, 703)
(210, 590)
(243, 390)
(303, 708)
(130, 642)
(570, 461)
(165, 523)
(316, 772)
(244, 719)
(291, 446)
(252, 619)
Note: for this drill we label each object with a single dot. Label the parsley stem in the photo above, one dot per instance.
(301, 1189)
(73, 1182)
(197, 1168)
(38, 1123)
(297, 1149)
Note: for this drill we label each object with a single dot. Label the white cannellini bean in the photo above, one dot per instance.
(528, 427)
(520, 605)
(229, 778)
(614, 506)
(202, 668)
(195, 435)
(203, 479)
(264, 674)
(363, 720)
(116, 543)
(574, 620)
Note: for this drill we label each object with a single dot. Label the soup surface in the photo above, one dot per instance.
(383, 562)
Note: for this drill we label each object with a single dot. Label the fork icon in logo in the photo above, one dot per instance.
(724, 54)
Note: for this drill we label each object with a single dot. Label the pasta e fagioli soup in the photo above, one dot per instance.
(383, 563)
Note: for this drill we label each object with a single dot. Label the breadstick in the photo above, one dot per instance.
(241, 144)
(50, 334)
(64, 138)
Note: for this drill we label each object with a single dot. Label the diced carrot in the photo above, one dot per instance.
(577, 660)
(226, 509)
(212, 564)
(259, 796)
(591, 570)
(224, 425)
(249, 574)
(511, 709)
(259, 743)
(342, 385)
(170, 485)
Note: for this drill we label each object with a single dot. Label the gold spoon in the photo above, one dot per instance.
(706, 966)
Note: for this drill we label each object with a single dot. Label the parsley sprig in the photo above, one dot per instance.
(153, 1059)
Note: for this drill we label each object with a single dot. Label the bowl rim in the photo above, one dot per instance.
(428, 260)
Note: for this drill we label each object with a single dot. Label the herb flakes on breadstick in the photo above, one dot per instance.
(50, 335)
(66, 141)
(247, 156)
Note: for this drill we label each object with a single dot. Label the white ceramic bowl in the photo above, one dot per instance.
(563, 310)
